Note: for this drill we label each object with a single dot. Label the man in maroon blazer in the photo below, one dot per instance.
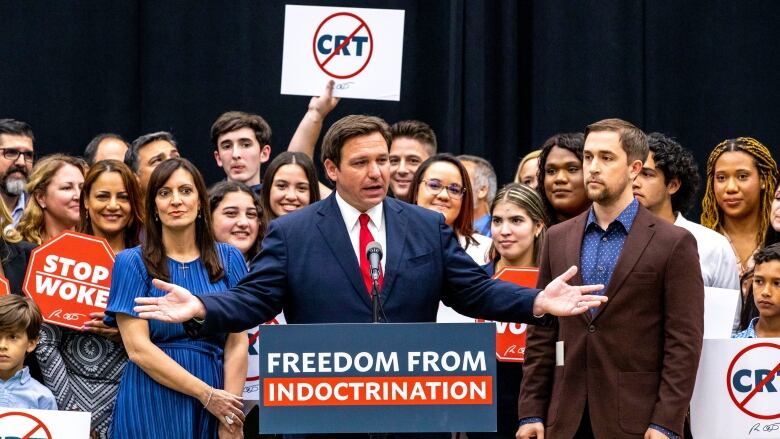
(628, 369)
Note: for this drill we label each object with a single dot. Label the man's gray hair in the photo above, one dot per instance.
(485, 175)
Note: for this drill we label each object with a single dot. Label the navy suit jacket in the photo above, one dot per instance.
(307, 266)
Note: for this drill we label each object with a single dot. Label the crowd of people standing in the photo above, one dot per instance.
(154, 209)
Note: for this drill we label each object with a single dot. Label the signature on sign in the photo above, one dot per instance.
(67, 316)
(514, 349)
(342, 85)
(758, 428)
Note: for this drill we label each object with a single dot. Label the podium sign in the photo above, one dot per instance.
(377, 378)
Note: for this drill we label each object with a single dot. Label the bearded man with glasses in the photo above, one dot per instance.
(16, 162)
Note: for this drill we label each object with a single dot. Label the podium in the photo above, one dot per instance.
(377, 378)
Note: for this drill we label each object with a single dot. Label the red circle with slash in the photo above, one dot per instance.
(38, 424)
(361, 24)
(741, 404)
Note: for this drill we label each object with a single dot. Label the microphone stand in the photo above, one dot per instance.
(375, 299)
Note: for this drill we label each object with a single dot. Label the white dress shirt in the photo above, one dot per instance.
(376, 225)
(716, 258)
(715, 255)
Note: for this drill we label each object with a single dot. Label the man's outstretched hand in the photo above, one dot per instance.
(176, 306)
(562, 299)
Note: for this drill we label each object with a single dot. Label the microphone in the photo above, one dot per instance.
(374, 256)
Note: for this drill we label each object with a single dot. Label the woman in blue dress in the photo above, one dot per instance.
(175, 386)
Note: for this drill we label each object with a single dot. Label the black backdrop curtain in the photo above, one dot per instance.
(493, 78)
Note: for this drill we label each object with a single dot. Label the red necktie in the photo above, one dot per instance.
(365, 268)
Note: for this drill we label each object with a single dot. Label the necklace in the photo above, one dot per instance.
(742, 263)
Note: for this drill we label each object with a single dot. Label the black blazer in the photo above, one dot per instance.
(14, 258)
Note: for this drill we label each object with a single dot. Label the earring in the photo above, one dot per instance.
(199, 214)
(156, 217)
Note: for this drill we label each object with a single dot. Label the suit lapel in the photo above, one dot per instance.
(334, 233)
(574, 249)
(636, 242)
(395, 236)
(574, 246)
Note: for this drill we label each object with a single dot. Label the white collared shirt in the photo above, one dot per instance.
(376, 226)
(715, 255)
(716, 258)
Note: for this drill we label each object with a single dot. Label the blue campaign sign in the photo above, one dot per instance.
(377, 378)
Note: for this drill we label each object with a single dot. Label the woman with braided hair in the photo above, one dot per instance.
(741, 181)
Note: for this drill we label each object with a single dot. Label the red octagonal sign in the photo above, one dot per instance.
(5, 289)
(70, 277)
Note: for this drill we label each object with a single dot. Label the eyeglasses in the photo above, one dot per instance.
(455, 191)
(13, 154)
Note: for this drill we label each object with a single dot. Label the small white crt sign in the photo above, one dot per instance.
(361, 49)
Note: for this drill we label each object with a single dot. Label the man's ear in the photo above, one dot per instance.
(673, 185)
(216, 157)
(265, 153)
(636, 168)
(482, 193)
(331, 170)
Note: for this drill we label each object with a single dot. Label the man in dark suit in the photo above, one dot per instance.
(313, 262)
(628, 369)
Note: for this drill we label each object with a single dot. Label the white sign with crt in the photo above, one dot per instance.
(43, 424)
(360, 49)
(737, 392)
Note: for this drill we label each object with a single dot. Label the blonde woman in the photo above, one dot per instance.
(528, 169)
(54, 188)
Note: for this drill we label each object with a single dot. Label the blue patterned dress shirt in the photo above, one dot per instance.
(601, 248)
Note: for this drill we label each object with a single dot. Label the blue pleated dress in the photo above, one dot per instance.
(145, 408)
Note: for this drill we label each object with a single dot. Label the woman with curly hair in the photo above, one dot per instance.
(54, 188)
(741, 181)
